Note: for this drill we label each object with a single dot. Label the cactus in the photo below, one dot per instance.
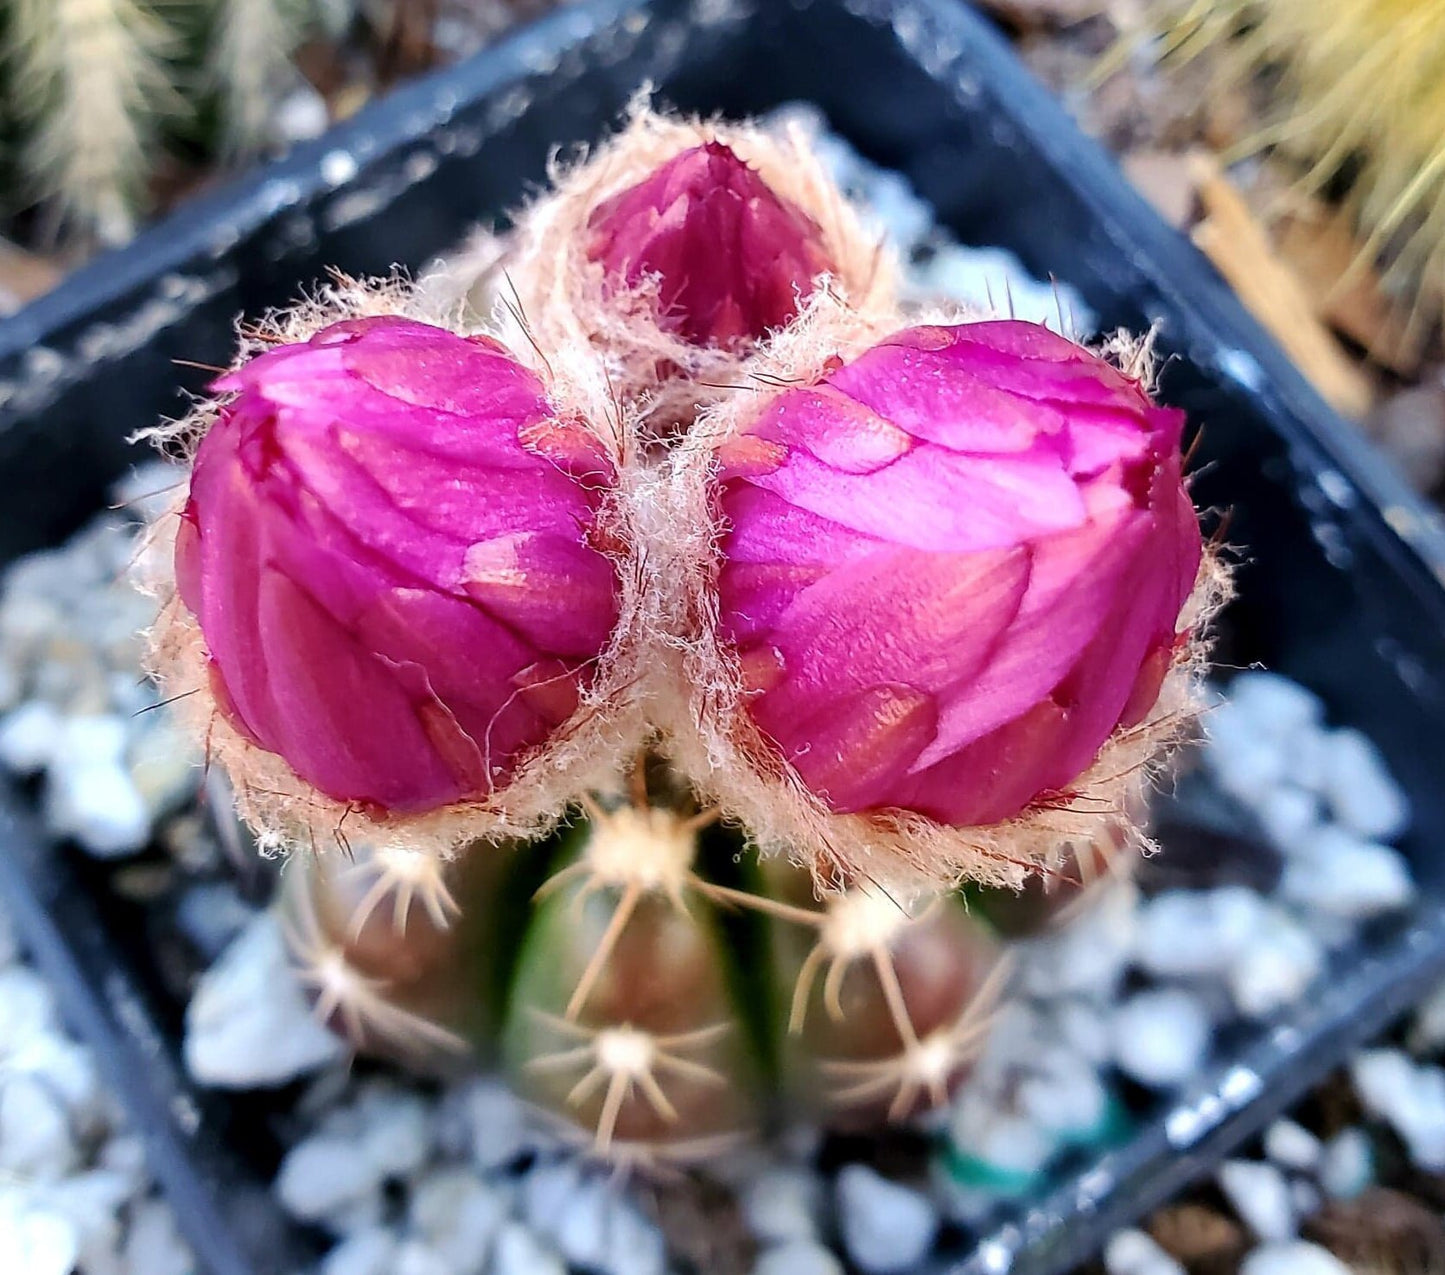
(645, 715)
(96, 95)
(1358, 90)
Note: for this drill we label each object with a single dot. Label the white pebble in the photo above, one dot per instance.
(1295, 1258)
(982, 1128)
(1088, 956)
(520, 1252)
(1305, 1197)
(95, 802)
(1308, 764)
(92, 1203)
(1259, 1193)
(1362, 792)
(994, 281)
(321, 1174)
(34, 1241)
(125, 1156)
(547, 1193)
(368, 1252)
(1427, 1030)
(592, 1223)
(153, 1244)
(27, 1008)
(459, 1215)
(797, 1257)
(9, 941)
(1275, 704)
(35, 1135)
(28, 737)
(1346, 878)
(248, 1024)
(1290, 817)
(1062, 1094)
(1161, 1037)
(164, 766)
(68, 1071)
(1246, 759)
(1410, 1098)
(1276, 968)
(1293, 1147)
(1348, 1164)
(1186, 933)
(417, 1258)
(781, 1204)
(397, 1130)
(97, 738)
(1084, 1029)
(885, 1226)
(1135, 1253)
(496, 1123)
(12, 686)
(300, 115)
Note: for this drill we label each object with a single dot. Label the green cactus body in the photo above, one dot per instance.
(622, 1018)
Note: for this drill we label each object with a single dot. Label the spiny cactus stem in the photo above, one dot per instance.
(623, 1057)
(923, 1065)
(410, 876)
(637, 850)
(343, 991)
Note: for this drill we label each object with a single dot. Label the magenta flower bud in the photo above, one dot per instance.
(954, 567)
(731, 259)
(386, 549)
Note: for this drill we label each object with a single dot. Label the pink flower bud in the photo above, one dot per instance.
(731, 258)
(954, 567)
(386, 549)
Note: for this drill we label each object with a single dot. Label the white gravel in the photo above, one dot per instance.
(886, 1226)
(74, 1191)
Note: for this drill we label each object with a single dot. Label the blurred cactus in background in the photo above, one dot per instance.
(1356, 93)
(111, 108)
(671, 694)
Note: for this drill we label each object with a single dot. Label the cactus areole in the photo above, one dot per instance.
(907, 602)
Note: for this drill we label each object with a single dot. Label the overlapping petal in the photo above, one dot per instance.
(954, 567)
(394, 583)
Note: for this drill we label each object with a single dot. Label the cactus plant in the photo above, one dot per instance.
(1358, 90)
(96, 88)
(637, 673)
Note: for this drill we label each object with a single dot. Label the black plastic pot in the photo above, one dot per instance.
(1340, 586)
